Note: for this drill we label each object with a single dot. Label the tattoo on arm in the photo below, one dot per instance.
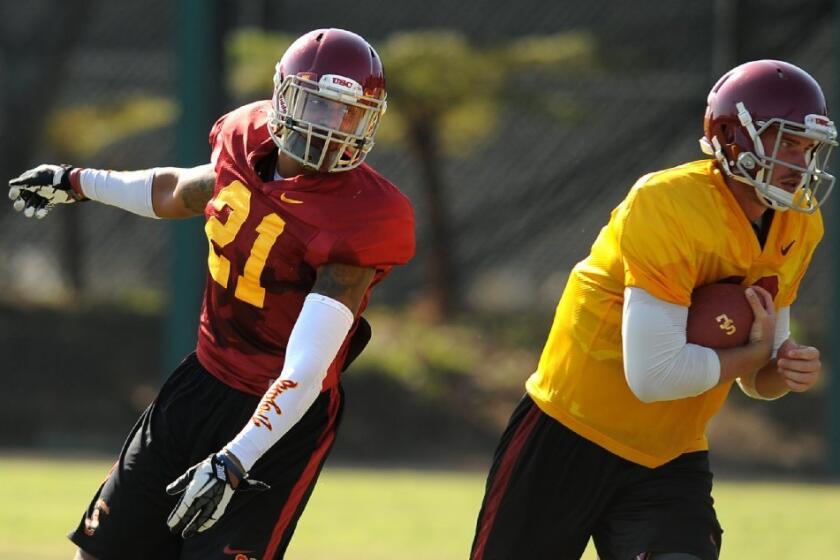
(197, 192)
(344, 283)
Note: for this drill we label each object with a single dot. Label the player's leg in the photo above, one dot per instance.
(82, 555)
(126, 518)
(261, 524)
(121, 512)
(663, 513)
(544, 492)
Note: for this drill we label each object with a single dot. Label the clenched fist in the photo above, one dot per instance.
(37, 190)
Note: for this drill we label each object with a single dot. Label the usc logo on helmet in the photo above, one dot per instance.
(342, 82)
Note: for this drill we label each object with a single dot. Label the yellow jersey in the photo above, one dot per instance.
(676, 230)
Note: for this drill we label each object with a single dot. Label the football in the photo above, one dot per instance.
(719, 317)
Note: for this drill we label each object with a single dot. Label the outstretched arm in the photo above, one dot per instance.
(182, 192)
(168, 192)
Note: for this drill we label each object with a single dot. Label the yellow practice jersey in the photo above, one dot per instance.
(676, 230)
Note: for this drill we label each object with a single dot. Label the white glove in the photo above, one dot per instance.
(207, 490)
(37, 190)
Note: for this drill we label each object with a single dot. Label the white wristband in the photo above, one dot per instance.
(316, 338)
(129, 190)
(747, 382)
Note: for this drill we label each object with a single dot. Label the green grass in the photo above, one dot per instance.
(410, 515)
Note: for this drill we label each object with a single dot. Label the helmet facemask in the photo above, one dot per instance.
(756, 167)
(326, 125)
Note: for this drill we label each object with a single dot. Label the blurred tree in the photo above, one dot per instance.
(106, 124)
(251, 55)
(445, 97)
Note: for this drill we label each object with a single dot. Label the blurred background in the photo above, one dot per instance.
(514, 127)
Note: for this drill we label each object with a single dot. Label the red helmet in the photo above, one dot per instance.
(751, 99)
(329, 96)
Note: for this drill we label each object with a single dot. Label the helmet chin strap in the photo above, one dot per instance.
(746, 161)
(771, 196)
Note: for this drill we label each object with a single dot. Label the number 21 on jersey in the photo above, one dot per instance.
(237, 197)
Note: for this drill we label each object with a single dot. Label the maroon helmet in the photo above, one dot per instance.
(329, 96)
(762, 95)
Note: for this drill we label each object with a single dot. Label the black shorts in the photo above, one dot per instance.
(193, 416)
(549, 490)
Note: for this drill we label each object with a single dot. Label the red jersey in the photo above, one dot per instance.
(267, 238)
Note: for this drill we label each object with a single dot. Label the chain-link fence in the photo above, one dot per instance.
(523, 201)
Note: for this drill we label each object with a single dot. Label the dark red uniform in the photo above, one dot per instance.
(355, 217)
(267, 238)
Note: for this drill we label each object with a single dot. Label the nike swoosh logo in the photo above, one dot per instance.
(285, 198)
(786, 249)
(229, 550)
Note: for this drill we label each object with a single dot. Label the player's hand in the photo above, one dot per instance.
(763, 328)
(798, 365)
(207, 488)
(36, 191)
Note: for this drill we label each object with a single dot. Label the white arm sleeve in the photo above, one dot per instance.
(658, 363)
(316, 338)
(747, 383)
(129, 190)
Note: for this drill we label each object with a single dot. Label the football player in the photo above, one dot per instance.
(299, 229)
(608, 441)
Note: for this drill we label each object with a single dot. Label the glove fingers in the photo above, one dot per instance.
(28, 196)
(205, 506)
(206, 494)
(21, 180)
(41, 213)
(26, 200)
(197, 524)
(180, 484)
(209, 523)
(178, 518)
(216, 505)
(32, 177)
(185, 527)
(37, 202)
(32, 203)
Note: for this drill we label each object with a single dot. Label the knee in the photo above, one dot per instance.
(82, 555)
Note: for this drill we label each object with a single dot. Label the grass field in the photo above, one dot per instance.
(408, 515)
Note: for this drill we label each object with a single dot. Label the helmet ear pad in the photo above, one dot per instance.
(727, 134)
(733, 139)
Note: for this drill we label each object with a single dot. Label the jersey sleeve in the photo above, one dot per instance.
(656, 251)
(215, 143)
